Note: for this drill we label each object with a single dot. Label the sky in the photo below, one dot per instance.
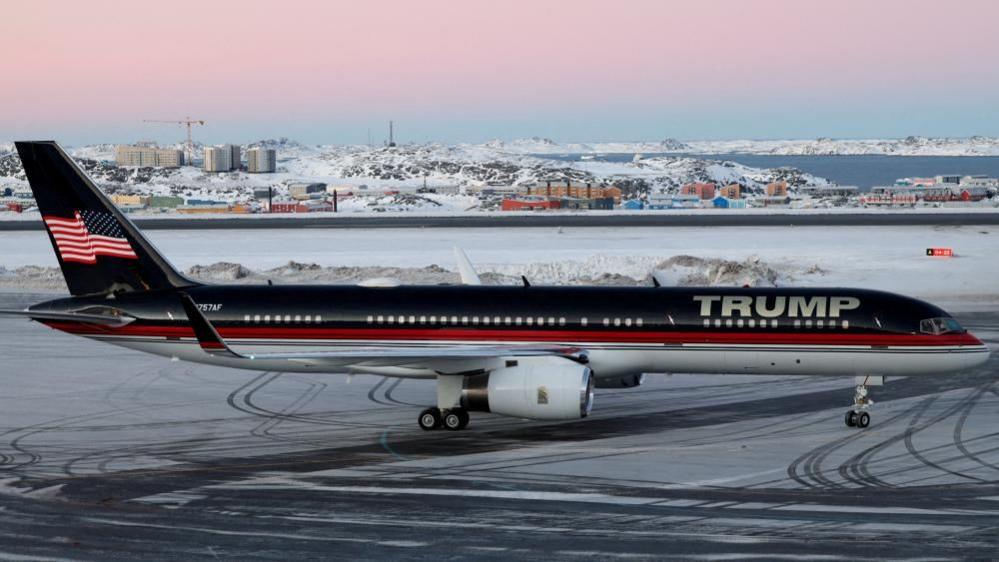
(474, 70)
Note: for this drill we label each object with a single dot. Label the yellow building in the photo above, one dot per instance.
(203, 209)
(130, 200)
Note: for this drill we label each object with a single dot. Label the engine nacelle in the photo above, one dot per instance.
(537, 388)
(627, 381)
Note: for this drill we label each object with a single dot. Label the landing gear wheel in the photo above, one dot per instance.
(851, 418)
(863, 420)
(455, 419)
(430, 419)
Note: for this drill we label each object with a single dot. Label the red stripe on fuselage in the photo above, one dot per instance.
(513, 336)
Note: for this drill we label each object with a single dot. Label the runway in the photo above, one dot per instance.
(107, 453)
(555, 220)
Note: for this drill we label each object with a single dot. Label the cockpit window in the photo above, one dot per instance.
(937, 326)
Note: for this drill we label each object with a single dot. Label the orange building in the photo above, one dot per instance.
(587, 191)
(777, 189)
(703, 191)
(731, 191)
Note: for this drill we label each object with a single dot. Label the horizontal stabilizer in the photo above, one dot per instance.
(112, 321)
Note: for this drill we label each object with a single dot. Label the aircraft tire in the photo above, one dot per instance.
(851, 418)
(454, 420)
(863, 420)
(430, 419)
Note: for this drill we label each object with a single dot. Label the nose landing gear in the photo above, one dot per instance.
(858, 415)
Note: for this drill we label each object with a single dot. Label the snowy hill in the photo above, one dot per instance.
(909, 146)
(536, 145)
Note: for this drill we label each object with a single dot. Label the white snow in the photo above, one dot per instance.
(909, 146)
(887, 258)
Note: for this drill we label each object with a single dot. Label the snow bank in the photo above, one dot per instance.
(602, 270)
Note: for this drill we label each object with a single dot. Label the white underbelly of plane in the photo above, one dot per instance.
(613, 360)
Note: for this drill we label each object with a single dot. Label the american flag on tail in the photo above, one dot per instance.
(88, 235)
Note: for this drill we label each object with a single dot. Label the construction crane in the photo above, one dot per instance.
(187, 121)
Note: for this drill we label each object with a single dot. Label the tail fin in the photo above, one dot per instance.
(100, 251)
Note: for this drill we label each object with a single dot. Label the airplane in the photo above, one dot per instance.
(534, 352)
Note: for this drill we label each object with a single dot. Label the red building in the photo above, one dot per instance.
(530, 204)
(296, 207)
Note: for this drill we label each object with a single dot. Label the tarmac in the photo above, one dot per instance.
(555, 219)
(107, 453)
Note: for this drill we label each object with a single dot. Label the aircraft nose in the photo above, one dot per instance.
(985, 353)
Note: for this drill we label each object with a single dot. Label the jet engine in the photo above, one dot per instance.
(537, 388)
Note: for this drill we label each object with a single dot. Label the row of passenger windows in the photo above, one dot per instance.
(279, 319)
(540, 321)
(764, 323)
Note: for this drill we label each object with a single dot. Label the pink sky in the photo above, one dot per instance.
(467, 70)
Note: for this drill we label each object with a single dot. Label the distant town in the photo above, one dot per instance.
(558, 193)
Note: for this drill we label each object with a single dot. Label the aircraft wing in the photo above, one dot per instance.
(443, 359)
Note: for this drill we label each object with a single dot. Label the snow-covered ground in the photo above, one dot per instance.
(888, 258)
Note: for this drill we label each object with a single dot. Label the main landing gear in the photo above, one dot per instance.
(435, 418)
(448, 414)
(858, 415)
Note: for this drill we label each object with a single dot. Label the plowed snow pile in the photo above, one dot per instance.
(600, 270)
